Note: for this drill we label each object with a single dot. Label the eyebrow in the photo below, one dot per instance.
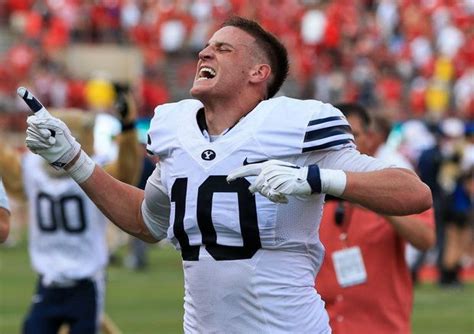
(219, 44)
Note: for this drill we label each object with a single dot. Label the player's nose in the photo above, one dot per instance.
(206, 53)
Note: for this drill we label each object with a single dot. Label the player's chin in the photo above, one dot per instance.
(199, 88)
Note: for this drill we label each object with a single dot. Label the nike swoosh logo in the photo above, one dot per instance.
(245, 163)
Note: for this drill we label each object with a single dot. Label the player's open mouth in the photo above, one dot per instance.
(206, 73)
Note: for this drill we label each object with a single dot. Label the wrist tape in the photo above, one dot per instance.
(326, 181)
(82, 169)
(127, 126)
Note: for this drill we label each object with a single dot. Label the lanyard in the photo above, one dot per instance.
(343, 218)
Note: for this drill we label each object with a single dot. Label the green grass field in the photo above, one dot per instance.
(151, 301)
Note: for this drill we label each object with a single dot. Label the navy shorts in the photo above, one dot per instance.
(78, 306)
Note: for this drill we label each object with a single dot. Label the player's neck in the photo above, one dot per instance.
(220, 117)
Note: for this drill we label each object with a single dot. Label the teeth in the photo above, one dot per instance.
(207, 73)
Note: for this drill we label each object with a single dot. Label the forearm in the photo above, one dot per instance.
(4, 224)
(414, 230)
(119, 202)
(391, 191)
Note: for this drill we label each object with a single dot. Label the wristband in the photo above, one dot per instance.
(82, 169)
(314, 179)
(127, 126)
(333, 181)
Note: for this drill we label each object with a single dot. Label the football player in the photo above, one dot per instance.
(240, 186)
(67, 232)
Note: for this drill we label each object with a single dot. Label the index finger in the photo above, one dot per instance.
(248, 170)
(33, 103)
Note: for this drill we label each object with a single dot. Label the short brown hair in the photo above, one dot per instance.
(274, 50)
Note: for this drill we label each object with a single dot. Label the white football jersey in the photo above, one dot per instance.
(67, 232)
(3, 197)
(249, 263)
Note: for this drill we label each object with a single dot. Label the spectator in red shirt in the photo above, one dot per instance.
(365, 280)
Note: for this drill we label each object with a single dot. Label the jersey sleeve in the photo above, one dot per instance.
(327, 129)
(156, 206)
(167, 118)
(3, 197)
(347, 159)
(157, 132)
(293, 127)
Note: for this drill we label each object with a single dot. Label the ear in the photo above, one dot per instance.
(260, 73)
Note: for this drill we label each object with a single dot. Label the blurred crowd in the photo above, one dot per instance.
(408, 58)
(410, 61)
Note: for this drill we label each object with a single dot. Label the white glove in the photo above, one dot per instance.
(47, 135)
(275, 179)
(52, 139)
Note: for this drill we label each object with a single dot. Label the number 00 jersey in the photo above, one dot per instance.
(66, 230)
(249, 264)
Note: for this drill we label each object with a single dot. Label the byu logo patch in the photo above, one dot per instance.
(208, 155)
